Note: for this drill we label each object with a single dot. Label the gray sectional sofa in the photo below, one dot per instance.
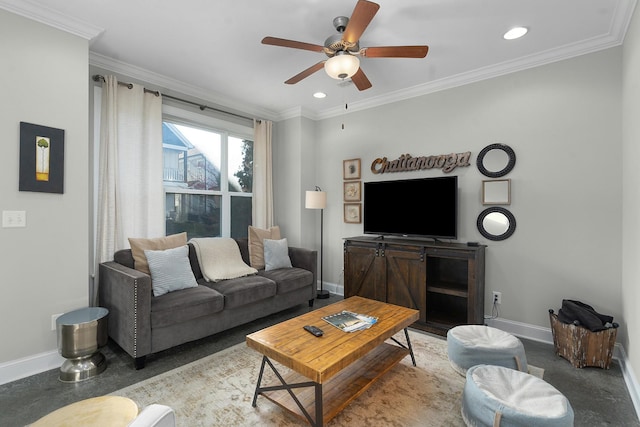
(143, 324)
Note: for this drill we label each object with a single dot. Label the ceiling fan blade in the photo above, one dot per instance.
(396, 52)
(360, 80)
(306, 73)
(362, 15)
(274, 41)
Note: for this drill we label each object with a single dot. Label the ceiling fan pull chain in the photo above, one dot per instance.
(346, 107)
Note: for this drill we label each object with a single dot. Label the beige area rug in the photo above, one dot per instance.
(218, 390)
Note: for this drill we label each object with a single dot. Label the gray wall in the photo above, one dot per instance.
(45, 265)
(631, 192)
(564, 122)
(294, 172)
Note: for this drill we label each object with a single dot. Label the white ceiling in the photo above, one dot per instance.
(212, 49)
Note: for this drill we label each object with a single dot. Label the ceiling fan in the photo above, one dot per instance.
(343, 48)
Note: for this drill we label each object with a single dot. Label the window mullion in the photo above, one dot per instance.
(224, 186)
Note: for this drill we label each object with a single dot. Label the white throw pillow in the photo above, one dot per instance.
(170, 270)
(220, 258)
(276, 254)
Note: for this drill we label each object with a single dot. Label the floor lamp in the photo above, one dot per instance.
(318, 200)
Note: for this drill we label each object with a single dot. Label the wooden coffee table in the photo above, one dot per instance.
(328, 372)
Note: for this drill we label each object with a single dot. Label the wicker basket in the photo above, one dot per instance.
(580, 346)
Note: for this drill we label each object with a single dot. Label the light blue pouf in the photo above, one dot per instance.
(498, 396)
(470, 345)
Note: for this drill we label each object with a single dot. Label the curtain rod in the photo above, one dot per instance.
(100, 78)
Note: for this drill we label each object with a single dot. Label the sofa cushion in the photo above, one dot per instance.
(256, 246)
(244, 290)
(186, 304)
(138, 246)
(276, 254)
(170, 270)
(288, 279)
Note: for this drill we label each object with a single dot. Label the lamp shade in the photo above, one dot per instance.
(315, 200)
(341, 66)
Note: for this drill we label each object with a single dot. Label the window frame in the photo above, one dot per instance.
(226, 129)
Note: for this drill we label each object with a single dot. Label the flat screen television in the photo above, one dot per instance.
(424, 207)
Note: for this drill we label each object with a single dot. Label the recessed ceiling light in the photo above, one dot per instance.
(515, 33)
(319, 95)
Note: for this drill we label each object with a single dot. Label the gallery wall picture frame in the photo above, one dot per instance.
(351, 169)
(496, 192)
(352, 213)
(352, 191)
(41, 158)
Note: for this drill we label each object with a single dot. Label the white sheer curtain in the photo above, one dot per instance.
(262, 174)
(130, 192)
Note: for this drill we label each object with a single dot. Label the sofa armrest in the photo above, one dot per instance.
(127, 294)
(306, 259)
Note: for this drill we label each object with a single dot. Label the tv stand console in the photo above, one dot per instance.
(444, 281)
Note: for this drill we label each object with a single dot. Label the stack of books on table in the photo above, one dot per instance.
(348, 321)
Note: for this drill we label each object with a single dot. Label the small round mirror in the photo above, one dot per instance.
(496, 223)
(496, 160)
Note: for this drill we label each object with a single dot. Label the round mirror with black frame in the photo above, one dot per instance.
(496, 223)
(496, 160)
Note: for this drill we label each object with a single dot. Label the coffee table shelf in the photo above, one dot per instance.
(343, 388)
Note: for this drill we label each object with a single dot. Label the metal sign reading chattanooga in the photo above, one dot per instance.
(407, 163)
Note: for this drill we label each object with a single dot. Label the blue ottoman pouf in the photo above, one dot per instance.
(470, 345)
(498, 396)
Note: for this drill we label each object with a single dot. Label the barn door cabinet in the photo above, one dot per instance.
(444, 281)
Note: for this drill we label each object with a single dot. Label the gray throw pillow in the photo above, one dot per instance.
(276, 254)
(170, 270)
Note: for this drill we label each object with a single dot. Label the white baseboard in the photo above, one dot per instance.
(524, 330)
(629, 378)
(334, 289)
(31, 365)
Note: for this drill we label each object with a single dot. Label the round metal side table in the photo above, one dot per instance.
(81, 334)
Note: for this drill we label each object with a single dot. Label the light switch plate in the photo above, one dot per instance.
(13, 219)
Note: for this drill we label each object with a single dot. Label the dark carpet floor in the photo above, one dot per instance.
(599, 397)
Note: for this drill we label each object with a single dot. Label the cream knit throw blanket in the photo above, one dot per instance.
(220, 258)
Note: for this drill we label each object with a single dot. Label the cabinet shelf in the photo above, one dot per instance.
(445, 320)
(449, 288)
(445, 281)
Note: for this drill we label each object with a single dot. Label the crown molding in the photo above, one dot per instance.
(163, 82)
(52, 18)
(480, 74)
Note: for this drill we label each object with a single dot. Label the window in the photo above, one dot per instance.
(208, 180)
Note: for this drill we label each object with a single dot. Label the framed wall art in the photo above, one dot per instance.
(351, 169)
(496, 192)
(352, 213)
(352, 191)
(41, 158)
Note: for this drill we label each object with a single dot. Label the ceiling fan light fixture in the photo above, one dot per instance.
(342, 65)
(515, 33)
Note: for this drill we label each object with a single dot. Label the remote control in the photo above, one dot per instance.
(314, 330)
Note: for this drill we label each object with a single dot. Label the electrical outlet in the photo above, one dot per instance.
(497, 297)
(54, 317)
